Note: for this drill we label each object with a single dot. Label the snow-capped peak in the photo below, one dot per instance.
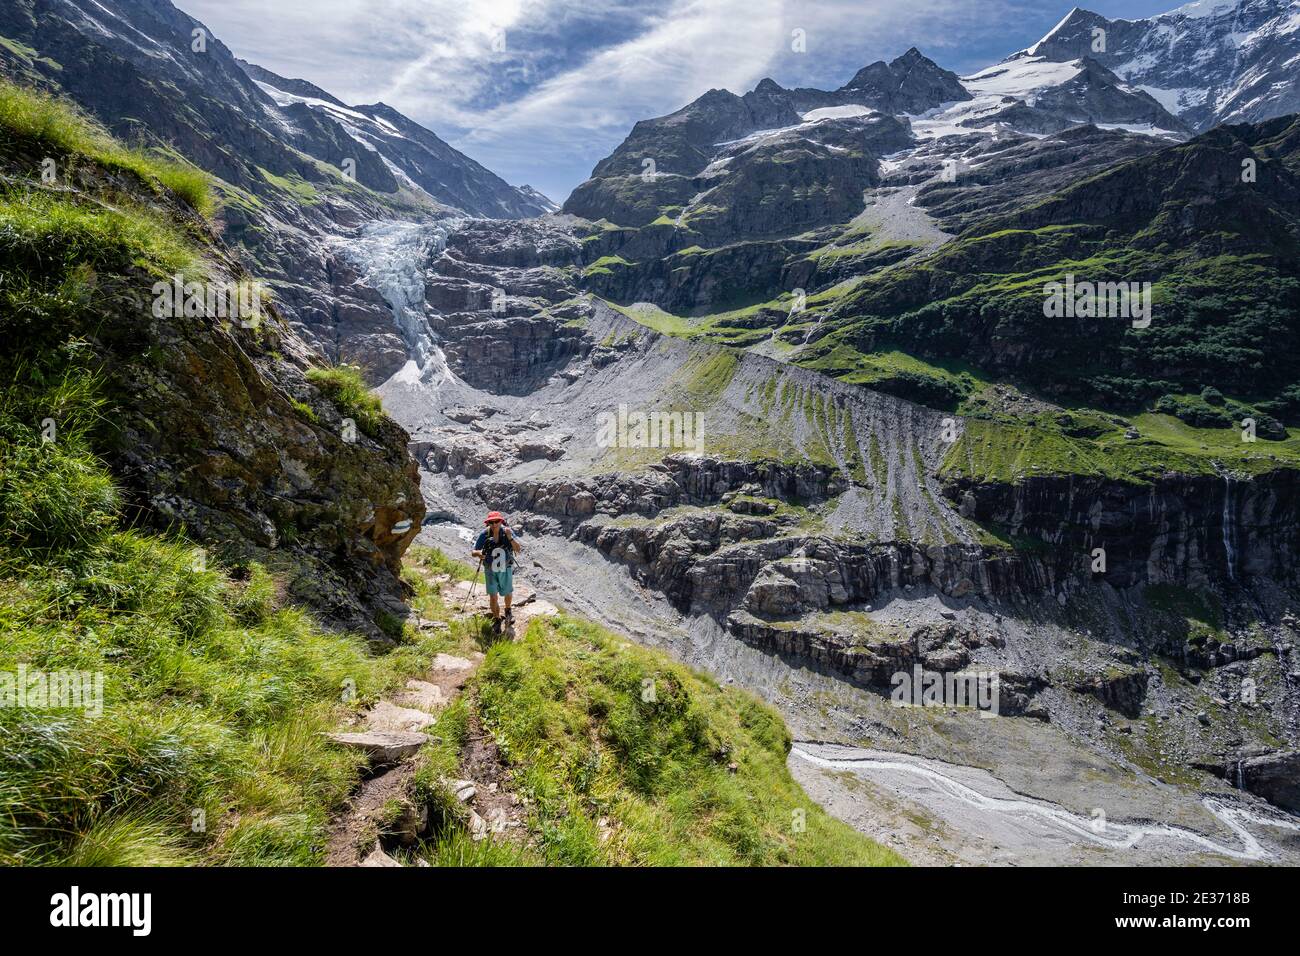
(1208, 61)
(1202, 8)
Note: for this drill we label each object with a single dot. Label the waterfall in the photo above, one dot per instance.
(1227, 525)
(392, 257)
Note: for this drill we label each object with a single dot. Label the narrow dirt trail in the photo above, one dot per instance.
(391, 733)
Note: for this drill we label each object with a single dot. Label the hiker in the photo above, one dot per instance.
(496, 547)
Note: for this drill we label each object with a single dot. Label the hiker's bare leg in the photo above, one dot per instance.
(509, 598)
(496, 611)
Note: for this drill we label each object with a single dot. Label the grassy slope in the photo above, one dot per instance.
(1224, 299)
(216, 695)
(998, 446)
(1224, 289)
(31, 116)
(346, 387)
(1001, 447)
(567, 705)
(1003, 451)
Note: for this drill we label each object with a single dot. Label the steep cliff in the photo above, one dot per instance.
(213, 422)
(296, 173)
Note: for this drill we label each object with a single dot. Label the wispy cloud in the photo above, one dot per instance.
(692, 47)
(539, 90)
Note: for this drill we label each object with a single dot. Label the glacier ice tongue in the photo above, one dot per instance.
(392, 256)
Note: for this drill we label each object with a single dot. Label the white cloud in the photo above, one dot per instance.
(576, 74)
(698, 45)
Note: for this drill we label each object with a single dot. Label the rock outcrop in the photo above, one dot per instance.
(1275, 777)
(680, 479)
(220, 433)
(1188, 530)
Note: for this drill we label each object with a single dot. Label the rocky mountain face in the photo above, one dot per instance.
(912, 83)
(1164, 214)
(1038, 96)
(993, 176)
(227, 117)
(733, 199)
(1209, 62)
(724, 138)
(216, 427)
(886, 455)
(299, 170)
(409, 150)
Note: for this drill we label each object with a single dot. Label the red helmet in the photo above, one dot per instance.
(494, 516)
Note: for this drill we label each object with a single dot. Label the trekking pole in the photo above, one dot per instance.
(473, 584)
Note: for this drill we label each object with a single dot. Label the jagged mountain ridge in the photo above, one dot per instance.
(1204, 64)
(727, 202)
(1033, 96)
(1210, 62)
(286, 201)
(938, 187)
(410, 151)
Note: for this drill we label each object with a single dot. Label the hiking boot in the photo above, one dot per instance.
(496, 625)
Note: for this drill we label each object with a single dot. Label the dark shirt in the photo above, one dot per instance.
(502, 543)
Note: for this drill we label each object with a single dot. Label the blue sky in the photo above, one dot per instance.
(540, 90)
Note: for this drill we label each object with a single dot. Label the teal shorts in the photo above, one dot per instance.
(500, 582)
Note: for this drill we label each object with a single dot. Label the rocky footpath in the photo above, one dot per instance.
(392, 810)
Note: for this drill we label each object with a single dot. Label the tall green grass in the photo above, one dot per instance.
(209, 747)
(49, 235)
(349, 391)
(216, 699)
(682, 771)
(61, 126)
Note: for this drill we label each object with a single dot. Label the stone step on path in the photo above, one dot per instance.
(393, 731)
(383, 747)
(392, 734)
(526, 606)
(379, 858)
(396, 718)
(422, 695)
